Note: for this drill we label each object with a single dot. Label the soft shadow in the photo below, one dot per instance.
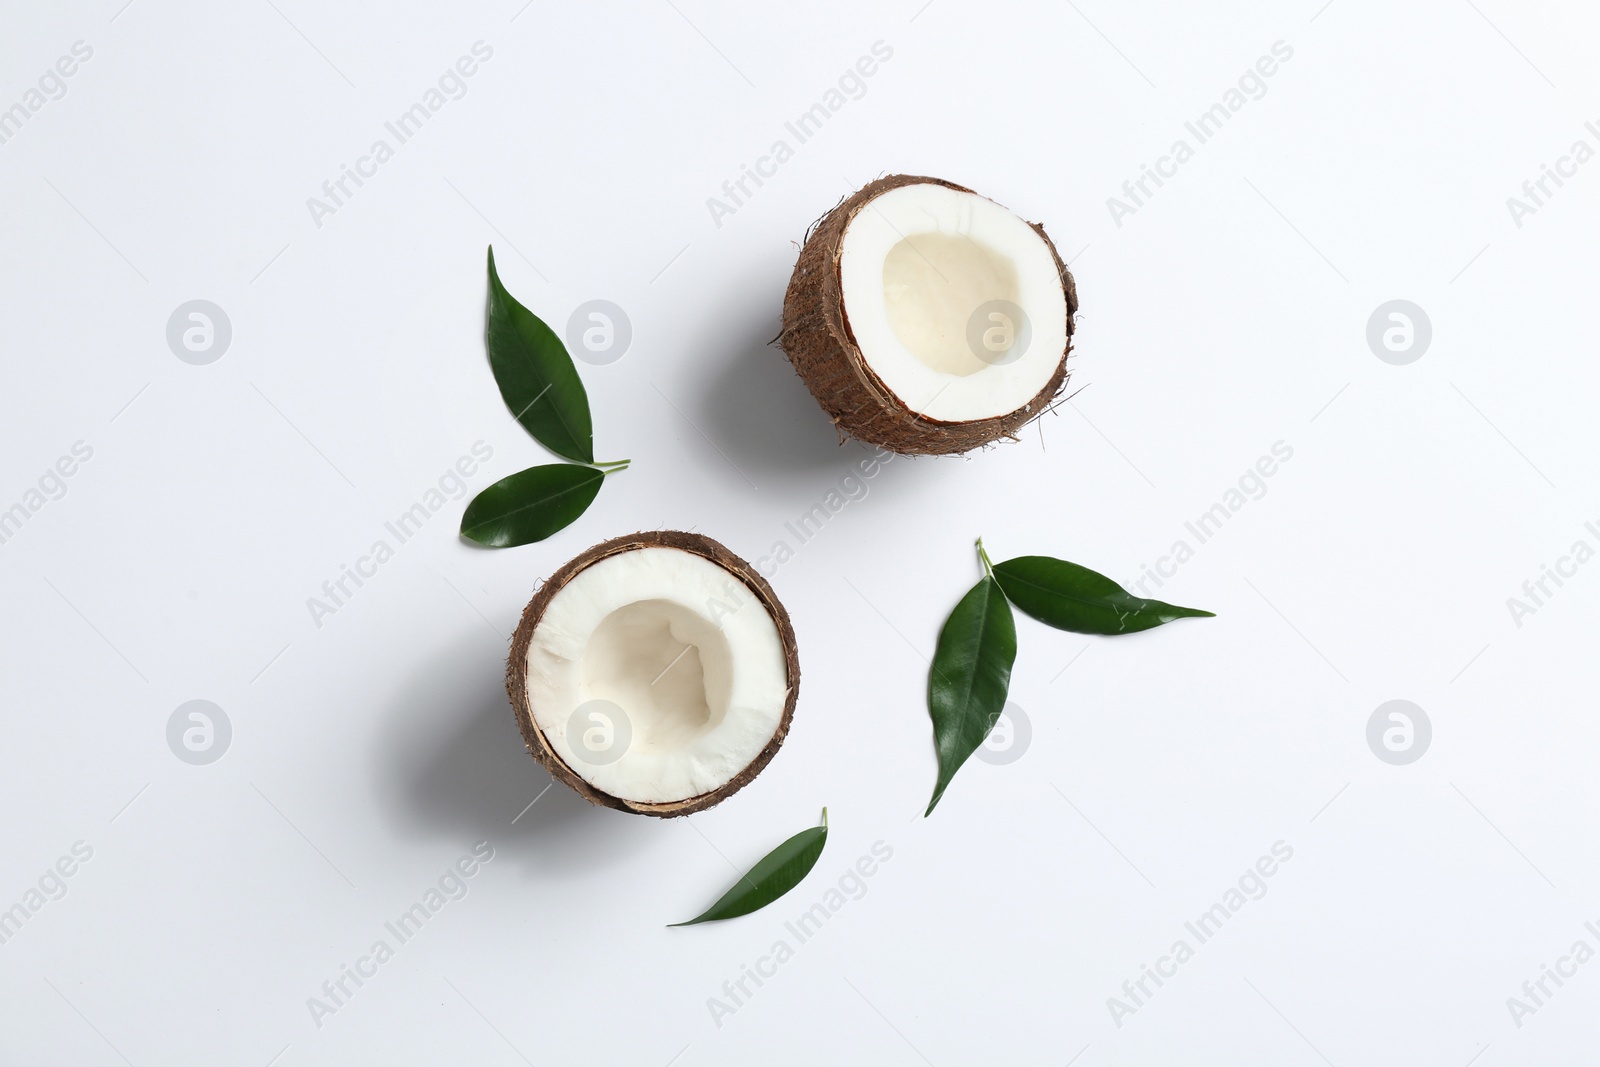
(756, 407)
(452, 765)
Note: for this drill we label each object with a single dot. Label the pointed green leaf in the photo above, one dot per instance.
(1070, 597)
(969, 678)
(530, 505)
(536, 376)
(780, 871)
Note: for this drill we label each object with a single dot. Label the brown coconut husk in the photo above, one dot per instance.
(817, 339)
(517, 667)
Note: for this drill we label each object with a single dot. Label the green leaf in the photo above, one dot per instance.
(1070, 597)
(777, 873)
(969, 678)
(536, 376)
(530, 505)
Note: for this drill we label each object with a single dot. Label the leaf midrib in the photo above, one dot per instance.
(498, 516)
(549, 387)
(982, 630)
(510, 306)
(1103, 601)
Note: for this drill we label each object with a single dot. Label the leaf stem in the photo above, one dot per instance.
(824, 817)
(988, 565)
(613, 467)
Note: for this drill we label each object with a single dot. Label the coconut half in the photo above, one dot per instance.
(928, 319)
(655, 673)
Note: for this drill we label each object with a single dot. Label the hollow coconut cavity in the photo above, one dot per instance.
(928, 319)
(655, 673)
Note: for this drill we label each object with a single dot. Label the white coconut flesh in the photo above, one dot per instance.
(678, 668)
(932, 279)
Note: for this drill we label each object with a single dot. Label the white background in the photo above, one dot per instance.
(1228, 313)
